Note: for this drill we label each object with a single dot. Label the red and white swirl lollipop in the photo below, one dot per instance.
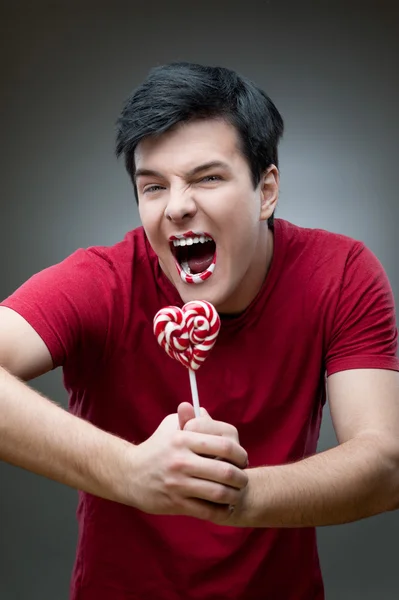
(187, 334)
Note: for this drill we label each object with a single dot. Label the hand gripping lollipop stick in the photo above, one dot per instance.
(187, 335)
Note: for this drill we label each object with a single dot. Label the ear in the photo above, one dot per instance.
(269, 188)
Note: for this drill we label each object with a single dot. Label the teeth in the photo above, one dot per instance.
(192, 240)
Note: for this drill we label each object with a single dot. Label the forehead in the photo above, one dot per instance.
(189, 144)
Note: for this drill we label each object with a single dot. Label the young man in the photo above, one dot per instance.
(159, 517)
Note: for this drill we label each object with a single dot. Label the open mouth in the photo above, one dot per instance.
(195, 256)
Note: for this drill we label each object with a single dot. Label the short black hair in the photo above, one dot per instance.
(181, 92)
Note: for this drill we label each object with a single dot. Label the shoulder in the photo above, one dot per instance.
(326, 268)
(315, 241)
(317, 254)
(134, 247)
(123, 260)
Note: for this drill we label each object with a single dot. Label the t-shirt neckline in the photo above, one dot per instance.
(173, 297)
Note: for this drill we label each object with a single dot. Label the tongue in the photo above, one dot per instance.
(197, 257)
(200, 263)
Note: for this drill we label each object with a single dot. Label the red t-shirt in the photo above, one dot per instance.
(326, 306)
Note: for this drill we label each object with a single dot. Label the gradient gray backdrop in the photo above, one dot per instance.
(66, 67)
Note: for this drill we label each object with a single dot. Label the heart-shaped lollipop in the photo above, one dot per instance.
(188, 334)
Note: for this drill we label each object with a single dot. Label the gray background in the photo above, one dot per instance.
(66, 67)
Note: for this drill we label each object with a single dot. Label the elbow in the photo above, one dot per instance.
(394, 500)
(383, 452)
(391, 464)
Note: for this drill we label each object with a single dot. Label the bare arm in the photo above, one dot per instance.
(40, 436)
(165, 474)
(357, 479)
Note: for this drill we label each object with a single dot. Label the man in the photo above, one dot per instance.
(159, 517)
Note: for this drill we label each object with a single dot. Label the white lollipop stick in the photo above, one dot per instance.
(194, 393)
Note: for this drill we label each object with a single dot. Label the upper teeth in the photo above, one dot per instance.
(188, 241)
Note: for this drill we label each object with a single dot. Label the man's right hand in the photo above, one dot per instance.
(175, 471)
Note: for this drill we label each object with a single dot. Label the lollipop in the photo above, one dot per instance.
(187, 335)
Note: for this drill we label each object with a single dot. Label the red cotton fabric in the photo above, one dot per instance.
(325, 306)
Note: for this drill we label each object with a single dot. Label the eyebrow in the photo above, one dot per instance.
(214, 164)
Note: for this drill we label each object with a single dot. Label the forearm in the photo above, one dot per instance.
(40, 436)
(355, 480)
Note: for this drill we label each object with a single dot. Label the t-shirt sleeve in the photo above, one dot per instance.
(71, 305)
(364, 332)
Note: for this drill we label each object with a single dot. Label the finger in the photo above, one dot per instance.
(215, 445)
(215, 471)
(210, 491)
(206, 511)
(204, 412)
(185, 412)
(212, 427)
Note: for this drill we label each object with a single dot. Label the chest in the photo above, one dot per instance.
(265, 379)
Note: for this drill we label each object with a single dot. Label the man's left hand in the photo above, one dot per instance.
(205, 424)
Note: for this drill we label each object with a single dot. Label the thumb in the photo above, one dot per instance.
(169, 423)
(185, 412)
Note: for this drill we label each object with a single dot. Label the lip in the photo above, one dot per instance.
(189, 234)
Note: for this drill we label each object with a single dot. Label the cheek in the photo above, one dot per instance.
(240, 217)
(236, 201)
(149, 218)
(149, 226)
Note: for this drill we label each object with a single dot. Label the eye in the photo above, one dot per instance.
(152, 188)
(211, 178)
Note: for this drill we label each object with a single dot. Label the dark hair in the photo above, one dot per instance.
(181, 92)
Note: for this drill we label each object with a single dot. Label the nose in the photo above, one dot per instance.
(181, 206)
